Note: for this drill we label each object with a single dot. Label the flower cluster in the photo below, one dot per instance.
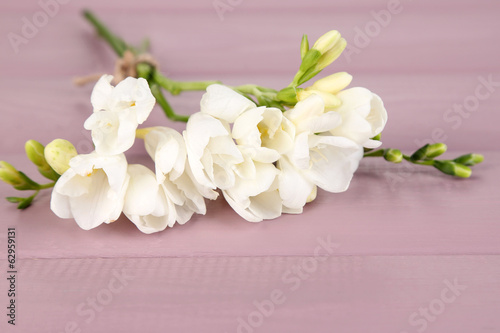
(264, 161)
(266, 151)
(267, 162)
(97, 187)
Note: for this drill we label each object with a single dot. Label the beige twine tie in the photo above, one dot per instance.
(124, 67)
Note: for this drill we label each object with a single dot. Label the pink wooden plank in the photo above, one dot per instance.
(460, 37)
(388, 209)
(343, 293)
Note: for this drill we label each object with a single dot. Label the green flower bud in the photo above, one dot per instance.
(16, 178)
(435, 150)
(310, 60)
(10, 175)
(35, 152)
(288, 95)
(393, 155)
(469, 159)
(304, 46)
(429, 151)
(453, 168)
(326, 42)
(58, 153)
(332, 54)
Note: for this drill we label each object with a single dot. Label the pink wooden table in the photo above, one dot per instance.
(405, 249)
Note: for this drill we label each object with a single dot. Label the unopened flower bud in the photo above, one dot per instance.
(58, 153)
(35, 152)
(329, 43)
(304, 46)
(288, 95)
(333, 83)
(326, 42)
(332, 55)
(453, 168)
(429, 151)
(331, 101)
(436, 150)
(9, 174)
(469, 159)
(393, 155)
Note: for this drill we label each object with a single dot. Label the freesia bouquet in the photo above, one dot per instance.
(266, 150)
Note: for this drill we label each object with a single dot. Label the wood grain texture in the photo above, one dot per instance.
(352, 294)
(401, 231)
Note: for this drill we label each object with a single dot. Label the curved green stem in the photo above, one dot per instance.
(45, 186)
(162, 101)
(176, 87)
(156, 80)
(459, 167)
(118, 44)
(376, 153)
(408, 158)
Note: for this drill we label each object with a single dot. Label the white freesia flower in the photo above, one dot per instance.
(264, 129)
(363, 116)
(167, 148)
(239, 160)
(117, 113)
(148, 204)
(212, 152)
(317, 158)
(255, 195)
(92, 190)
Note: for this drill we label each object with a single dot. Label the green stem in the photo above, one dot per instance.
(176, 87)
(45, 186)
(118, 45)
(376, 153)
(380, 153)
(264, 96)
(162, 101)
(408, 158)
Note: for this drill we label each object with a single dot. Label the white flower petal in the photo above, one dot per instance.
(59, 204)
(167, 148)
(378, 115)
(267, 205)
(300, 153)
(97, 206)
(240, 207)
(149, 224)
(363, 116)
(355, 100)
(142, 193)
(323, 123)
(200, 128)
(333, 162)
(294, 188)
(265, 176)
(92, 190)
(245, 130)
(224, 103)
(312, 106)
(101, 92)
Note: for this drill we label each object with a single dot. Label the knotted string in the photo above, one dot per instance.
(124, 67)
